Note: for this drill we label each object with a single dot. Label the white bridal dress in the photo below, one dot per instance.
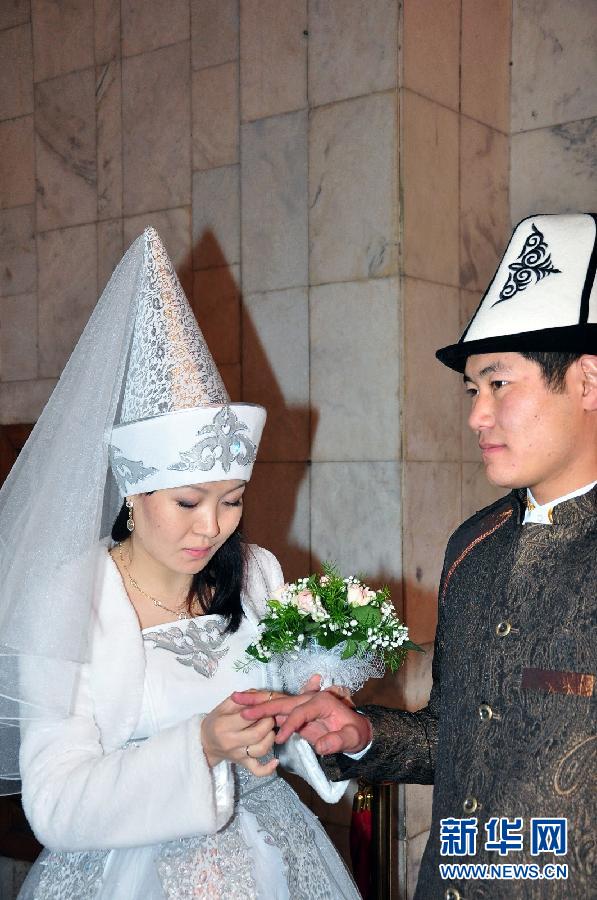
(273, 847)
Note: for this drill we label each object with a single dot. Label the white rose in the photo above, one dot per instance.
(279, 592)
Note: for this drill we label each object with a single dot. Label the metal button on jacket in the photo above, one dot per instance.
(503, 629)
(452, 894)
(485, 712)
(470, 804)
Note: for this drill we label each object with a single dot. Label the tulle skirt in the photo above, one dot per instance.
(273, 848)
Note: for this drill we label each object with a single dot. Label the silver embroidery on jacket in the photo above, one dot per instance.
(200, 646)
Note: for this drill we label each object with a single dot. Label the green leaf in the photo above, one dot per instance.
(410, 645)
(349, 650)
(368, 616)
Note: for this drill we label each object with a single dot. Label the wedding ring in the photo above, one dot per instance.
(247, 752)
(271, 694)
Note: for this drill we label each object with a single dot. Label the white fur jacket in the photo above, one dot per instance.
(84, 788)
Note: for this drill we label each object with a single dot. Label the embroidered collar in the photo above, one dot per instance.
(543, 514)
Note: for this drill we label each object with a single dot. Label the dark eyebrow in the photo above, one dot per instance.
(200, 490)
(491, 369)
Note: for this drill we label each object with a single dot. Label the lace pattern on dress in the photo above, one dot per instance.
(63, 876)
(211, 867)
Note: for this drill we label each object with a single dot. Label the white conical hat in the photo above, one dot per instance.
(177, 424)
(543, 296)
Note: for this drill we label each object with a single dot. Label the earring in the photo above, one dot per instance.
(130, 524)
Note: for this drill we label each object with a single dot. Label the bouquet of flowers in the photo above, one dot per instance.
(332, 626)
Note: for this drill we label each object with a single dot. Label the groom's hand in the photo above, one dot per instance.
(323, 719)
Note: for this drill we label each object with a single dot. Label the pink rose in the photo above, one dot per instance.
(357, 595)
(305, 602)
(279, 592)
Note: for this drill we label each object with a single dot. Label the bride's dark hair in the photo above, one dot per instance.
(219, 585)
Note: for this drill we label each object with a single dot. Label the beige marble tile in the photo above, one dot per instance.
(108, 95)
(18, 261)
(415, 678)
(174, 228)
(431, 513)
(477, 490)
(356, 519)
(469, 301)
(274, 203)
(554, 56)
(66, 150)
(18, 337)
(110, 248)
(14, 12)
(484, 202)
(215, 116)
(275, 355)
(214, 32)
(553, 169)
(156, 122)
(485, 62)
(16, 72)
(276, 513)
(353, 230)
(216, 303)
(107, 30)
(23, 401)
(17, 173)
(418, 808)
(67, 290)
(431, 46)
(150, 24)
(432, 395)
(415, 849)
(216, 217)
(273, 57)
(62, 37)
(354, 370)
(430, 172)
(352, 49)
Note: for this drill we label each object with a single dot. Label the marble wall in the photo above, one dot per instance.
(554, 107)
(331, 179)
(455, 219)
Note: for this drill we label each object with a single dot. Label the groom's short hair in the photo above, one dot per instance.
(553, 367)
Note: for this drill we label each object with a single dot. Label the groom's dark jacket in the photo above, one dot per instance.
(509, 730)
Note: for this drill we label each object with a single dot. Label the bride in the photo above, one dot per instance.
(121, 645)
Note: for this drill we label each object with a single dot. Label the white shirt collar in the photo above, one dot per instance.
(541, 515)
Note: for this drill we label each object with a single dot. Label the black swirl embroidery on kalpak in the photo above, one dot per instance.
(534, 260)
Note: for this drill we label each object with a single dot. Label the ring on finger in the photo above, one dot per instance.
(271, 694)
(247, 751)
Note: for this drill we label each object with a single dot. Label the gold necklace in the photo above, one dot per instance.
(180, 614)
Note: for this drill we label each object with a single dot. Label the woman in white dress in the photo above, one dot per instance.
(139, 775)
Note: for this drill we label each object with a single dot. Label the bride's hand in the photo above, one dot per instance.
(225, 734)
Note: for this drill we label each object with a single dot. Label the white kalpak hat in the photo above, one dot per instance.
(177, 424)
(543, 296)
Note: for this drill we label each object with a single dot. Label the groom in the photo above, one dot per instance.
(508, 736)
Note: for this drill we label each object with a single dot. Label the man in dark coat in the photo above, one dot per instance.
(508, 737)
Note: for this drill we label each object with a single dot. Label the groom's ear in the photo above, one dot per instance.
(588, 369)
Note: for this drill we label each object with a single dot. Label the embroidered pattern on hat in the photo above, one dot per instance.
(128, 471)
(533, 260)
(223, 443)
